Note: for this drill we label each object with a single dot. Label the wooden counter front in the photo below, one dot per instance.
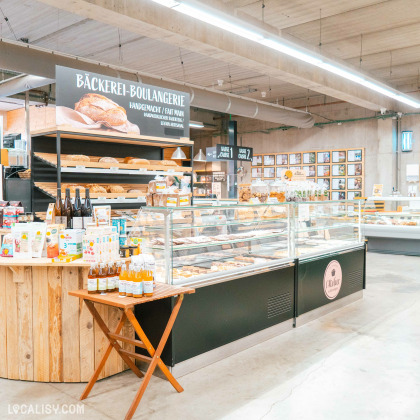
(45, 334)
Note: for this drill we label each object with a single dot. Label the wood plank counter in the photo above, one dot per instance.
(45, 334)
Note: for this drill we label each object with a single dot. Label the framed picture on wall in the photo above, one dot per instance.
(354, 155)
(338, 184)
(269, 172)
(338, 195)
(256, 172)
(324, 183)
(309, 157)
(310, 179)
(257, 160)
(269, 160)
(279, 170)
(309, 170)
(295, 158)
(339, 157)
(282, 159)
(339, 170)
(323, 170)
(323, 157)
(351, 195)
(354, 183)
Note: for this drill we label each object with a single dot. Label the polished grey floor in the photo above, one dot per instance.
(359, 362)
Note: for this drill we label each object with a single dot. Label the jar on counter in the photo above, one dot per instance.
(278, 190)
(259, 190)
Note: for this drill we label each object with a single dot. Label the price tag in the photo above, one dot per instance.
(272, 200)
(121, 198)
(142, 169)
(80, 167)
(171, 170)
(114, 168)
(102, 197)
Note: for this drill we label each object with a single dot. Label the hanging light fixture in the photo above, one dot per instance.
(200, 157)
(178, 154)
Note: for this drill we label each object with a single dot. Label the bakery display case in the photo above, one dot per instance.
(325, 226)
(206, 243)
(392, 224)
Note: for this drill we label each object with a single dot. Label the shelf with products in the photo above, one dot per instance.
(63, 159)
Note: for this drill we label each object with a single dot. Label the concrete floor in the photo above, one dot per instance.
(359, 362)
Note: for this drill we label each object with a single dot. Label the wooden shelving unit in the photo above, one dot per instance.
(51, 169)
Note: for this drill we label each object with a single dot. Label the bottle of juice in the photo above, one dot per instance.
(110, 278)
(102, 278)
(92, 284)
(117, 271)
(137, 282)
(123, 279)
(148, 281)
(129, 281)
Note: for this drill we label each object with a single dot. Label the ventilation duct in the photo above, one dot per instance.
(34, 60)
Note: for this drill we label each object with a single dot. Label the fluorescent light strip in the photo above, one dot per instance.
(233, 28)
(196, 125)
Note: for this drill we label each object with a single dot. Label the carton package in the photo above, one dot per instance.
(157, 186)
(9, 216)
(91, 248)
(21, 236)
(52, 240)
(184, 200)
(7, 246)
(149, 200)
(71, 243)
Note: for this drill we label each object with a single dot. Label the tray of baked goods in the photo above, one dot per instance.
(103, 164)
(98, 192)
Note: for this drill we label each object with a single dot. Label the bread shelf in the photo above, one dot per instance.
(120, 168)
(50, 188)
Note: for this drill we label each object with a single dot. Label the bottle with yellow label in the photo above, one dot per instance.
(129, 281)
(102, 278)
(92, 283)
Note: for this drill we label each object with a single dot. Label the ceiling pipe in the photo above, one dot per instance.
(41, 62)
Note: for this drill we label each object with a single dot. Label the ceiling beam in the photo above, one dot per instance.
(149, 19)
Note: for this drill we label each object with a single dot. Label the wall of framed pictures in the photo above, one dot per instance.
(340, 171)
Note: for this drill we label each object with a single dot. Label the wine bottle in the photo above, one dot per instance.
(87, 209)
(58, 208)
(68, 209)
(77, 212)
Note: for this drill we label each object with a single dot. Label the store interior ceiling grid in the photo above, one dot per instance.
(386, 31)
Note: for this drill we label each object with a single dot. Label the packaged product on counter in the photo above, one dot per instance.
(7, 246)
(149, 200)
(52, 240)
(259, 192)
(9, 216)
(38, 235)
(71, 243)
(277, 191)
(102, 215)
(157, 185)
(184, 200)
(21, 235)
(123, 226)
(244, 193)
(91, 247)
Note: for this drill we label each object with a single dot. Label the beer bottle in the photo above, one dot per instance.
(68, 212)
(77, 212)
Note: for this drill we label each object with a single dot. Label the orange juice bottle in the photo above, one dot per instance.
(102, 278)
(129, 281)
(137, 282)
(123, 279)
(148, 281)
(117, 271)
(92, 284)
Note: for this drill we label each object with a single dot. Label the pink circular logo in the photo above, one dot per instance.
(333, 277)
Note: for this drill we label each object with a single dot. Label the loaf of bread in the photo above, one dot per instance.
(168, 163)
(82, 158)
(101, 109)
(108, 160)
(95, 188)
(137, 161)
(115, 189)
(135, 192)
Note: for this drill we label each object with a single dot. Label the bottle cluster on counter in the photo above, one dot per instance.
(135, 281)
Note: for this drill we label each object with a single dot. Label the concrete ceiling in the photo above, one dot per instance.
(383, 33)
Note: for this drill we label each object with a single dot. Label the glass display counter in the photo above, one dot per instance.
(392, 224)
(256, 268)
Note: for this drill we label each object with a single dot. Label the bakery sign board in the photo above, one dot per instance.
(91, 101)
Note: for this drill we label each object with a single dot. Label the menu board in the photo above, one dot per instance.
(282, 159)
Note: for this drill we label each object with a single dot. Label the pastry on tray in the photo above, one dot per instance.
(82, 158)
(101, 109)
(107, 159)
(115, 189)
(95, 188)
(74, 187)
(136, 161)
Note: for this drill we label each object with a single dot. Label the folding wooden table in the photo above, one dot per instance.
(126, 304)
